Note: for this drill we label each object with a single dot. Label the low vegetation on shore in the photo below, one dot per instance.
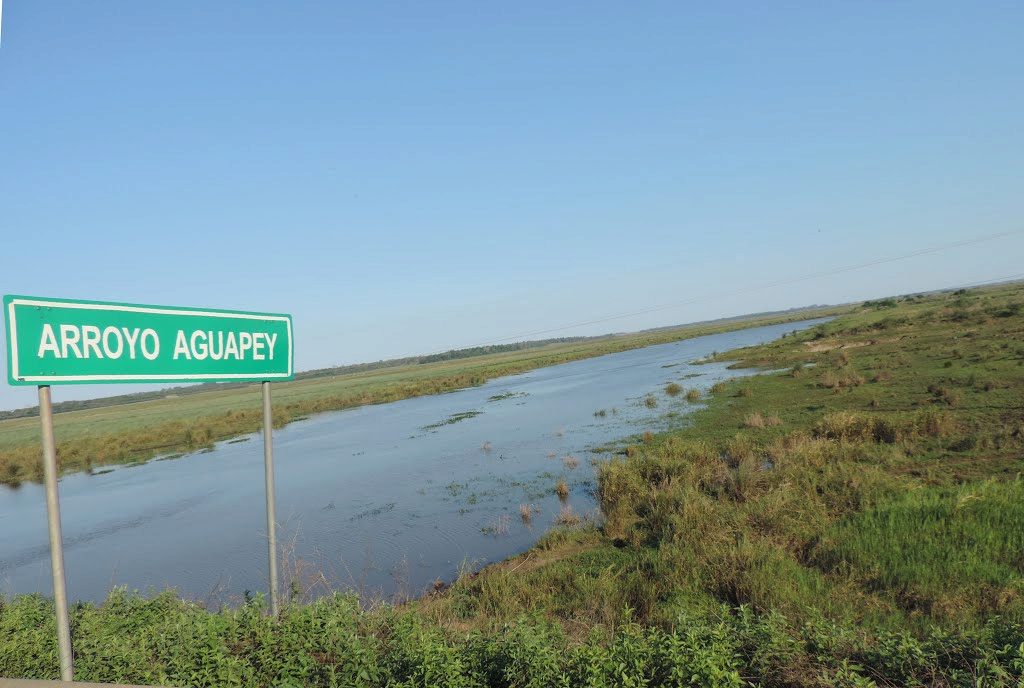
(854, 517)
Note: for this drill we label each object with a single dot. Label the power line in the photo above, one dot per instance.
(1008, 278)
(767, 285)
(630, 366)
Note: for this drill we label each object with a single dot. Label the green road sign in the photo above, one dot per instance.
(59, 341)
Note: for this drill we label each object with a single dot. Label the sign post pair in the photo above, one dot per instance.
(60, 341)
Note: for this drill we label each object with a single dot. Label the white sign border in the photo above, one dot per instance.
(156, 379)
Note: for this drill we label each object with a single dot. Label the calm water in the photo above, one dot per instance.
(384, 499)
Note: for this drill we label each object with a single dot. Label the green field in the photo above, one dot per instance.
(852, 517)
(125, 433)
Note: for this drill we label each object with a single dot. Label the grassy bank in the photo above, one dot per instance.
(127, 433)
(853, 518)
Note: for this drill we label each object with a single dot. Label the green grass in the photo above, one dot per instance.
(452, 419)
(872, 536)
(958, 547)
(878, 508)
(129, 433)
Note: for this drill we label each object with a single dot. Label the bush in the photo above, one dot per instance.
(944, 395)
(841, 379)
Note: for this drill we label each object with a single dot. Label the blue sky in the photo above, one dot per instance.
(411, 177)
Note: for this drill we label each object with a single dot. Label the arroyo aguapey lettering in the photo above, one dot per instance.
(92, 341)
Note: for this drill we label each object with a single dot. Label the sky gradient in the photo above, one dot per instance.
(411, 177)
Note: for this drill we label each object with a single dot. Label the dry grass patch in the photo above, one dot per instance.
(567, 516)
(754, 420)
(843, 379)
(526, 512)
(760, 420)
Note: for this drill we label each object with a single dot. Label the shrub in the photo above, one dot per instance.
(673, 389)
(945, 395)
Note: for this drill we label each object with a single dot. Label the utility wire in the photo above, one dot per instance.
(794, 323)
(767, 285)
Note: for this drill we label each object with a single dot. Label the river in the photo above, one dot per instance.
(381, 499)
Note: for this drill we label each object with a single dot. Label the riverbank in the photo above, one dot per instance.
(128, 433)
(854, 519)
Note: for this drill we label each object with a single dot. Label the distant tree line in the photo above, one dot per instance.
(453, 354)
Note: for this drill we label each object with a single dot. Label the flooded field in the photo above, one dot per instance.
(382, 499)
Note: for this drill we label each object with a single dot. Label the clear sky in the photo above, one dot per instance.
(412, 177)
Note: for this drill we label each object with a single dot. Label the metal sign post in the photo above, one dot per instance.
(62, 341)
(60, 594)
(268, 470)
